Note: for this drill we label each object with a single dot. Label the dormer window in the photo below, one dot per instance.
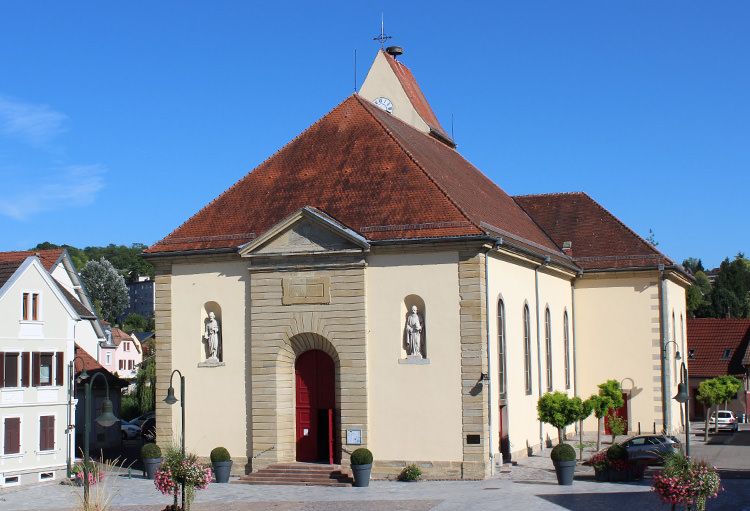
(727, 354)
(691, 354)
(30, 307)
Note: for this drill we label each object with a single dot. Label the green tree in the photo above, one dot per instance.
(145, 383)
(694, 265)
(729, 386)
(699, 296)
(600, 405)
(583, 409)
(136, 323)
(106, 287)
(613, 390)
(731, 296)
(558, 410)
(709, 394)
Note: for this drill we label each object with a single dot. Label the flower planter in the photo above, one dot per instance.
(618, 476)
(150, 466)
(564, 471)
(601, 474)
(222, 469)
(361, 475)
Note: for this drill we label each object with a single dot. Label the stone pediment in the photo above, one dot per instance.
(308, 231)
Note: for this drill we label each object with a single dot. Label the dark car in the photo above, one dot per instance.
(148, 429)
(651, 448)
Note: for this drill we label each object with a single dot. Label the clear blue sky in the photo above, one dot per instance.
(120, 120)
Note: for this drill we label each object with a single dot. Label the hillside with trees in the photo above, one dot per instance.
(126, 259)
(728, 296)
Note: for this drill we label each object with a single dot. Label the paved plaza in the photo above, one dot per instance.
(529, 486)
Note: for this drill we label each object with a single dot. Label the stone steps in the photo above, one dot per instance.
(298, 474)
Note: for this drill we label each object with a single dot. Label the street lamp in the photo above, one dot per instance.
(170, 400)
(683, 396)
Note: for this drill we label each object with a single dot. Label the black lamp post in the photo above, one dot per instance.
(683, 396)
(106, 419)
(170, 400)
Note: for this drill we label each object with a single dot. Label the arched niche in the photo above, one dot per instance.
(406, 306)
(207, 308)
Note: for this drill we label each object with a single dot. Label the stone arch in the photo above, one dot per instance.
(292, 347)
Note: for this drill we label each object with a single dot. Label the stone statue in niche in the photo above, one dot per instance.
(414, 333)
(211, 336)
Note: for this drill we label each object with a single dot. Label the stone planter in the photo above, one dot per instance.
(150, 466)
(618, 476)
(564, 471)
(361, 475)
(222, 469)
(601, 474)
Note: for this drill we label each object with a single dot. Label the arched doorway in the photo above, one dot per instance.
(315, 396)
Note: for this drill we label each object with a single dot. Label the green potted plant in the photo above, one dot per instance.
(221, 462)
(617, 461)
(361, 460)
(410, 473)
(151, 456)
(564, 459)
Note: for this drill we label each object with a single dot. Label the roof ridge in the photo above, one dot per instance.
(366, 105)
(237, 182)
(551, 194)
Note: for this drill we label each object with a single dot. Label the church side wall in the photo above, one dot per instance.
(618, 337)
(513, 282)
(415, 409)
(677, 332)
(216, 396)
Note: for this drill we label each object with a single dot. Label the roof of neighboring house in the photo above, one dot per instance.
(83, 360)
(710, 337)
(143, 336)
(81, 309)
(415, 94)
(369, 171)
(599, 239)
(10, 261)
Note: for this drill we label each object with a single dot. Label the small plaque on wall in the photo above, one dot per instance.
(354, 437)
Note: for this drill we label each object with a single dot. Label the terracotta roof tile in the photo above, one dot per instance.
(370, 171)
(599, 239)
(47, 257)
(710, 337)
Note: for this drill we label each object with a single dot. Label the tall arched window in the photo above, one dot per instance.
(501, 347)
(566, 339)
(527, 348)
(548, 344)
(674, 339)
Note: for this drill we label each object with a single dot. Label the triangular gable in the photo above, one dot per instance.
(33, 262)
(307, 231)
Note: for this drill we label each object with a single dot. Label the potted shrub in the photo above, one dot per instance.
(222, 464)
(617, 461)
(361, 461)
(564, 459)
(601, 466)
(410, 473)
(151, 456)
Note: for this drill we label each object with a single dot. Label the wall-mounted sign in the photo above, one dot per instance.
(354, 437)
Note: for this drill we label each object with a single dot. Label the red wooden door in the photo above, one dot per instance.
(315, 400)
(619, 412)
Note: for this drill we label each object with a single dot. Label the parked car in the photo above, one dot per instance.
(651, 448)
(727, 420)
(148, 429)
(138, 421)
(129, 430)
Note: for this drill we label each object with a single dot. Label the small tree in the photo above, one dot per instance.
(583, 409)
(729, 386)
(709, 394)
(613, 390)
(558, 410)
(600, 405)
(617, 426)
(106, 287)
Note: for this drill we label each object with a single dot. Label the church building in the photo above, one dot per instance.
(368, 286)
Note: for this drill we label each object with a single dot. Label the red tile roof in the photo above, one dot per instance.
(86, 361)
(710, 337)
(370, 171)
(415, 94)
(599, 239)
(47, 257)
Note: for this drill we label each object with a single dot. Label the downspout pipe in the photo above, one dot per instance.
(573, 334)
(665, 387)
(491, 436)
(539, 345)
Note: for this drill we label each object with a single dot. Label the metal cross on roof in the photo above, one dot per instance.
(382, 38)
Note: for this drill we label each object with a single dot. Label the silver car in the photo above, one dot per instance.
(651, 448)
(727, 420)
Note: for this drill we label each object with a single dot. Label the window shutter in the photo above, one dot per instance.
(60, 372)
(12, 435)
(26, 368)
(47, 433)
(35, 363)
(2, 369)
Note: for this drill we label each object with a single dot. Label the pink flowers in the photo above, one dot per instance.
(94, 473)
(178, 470)
(687, 483)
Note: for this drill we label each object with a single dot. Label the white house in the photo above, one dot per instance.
(38, 326)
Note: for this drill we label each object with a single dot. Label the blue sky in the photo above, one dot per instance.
(120, 120)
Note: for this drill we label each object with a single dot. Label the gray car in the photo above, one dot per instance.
(651, 448)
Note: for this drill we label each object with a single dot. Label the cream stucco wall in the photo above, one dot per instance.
(382, 82)
(52, 333)
(415, 410)
(514, 282)
(677, 306)
(618, 337)
(216, 397)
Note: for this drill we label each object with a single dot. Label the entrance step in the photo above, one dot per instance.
(299, 474)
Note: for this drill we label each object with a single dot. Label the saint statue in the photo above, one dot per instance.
(413, 333)
(211, 336)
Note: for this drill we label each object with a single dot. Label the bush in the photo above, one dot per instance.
(129, 407)
(563, 452)
(220, 454)
(361, 456)
(617, 452)
(410, 473)
(150, 451)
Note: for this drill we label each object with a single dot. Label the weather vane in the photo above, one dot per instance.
(382, 38)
